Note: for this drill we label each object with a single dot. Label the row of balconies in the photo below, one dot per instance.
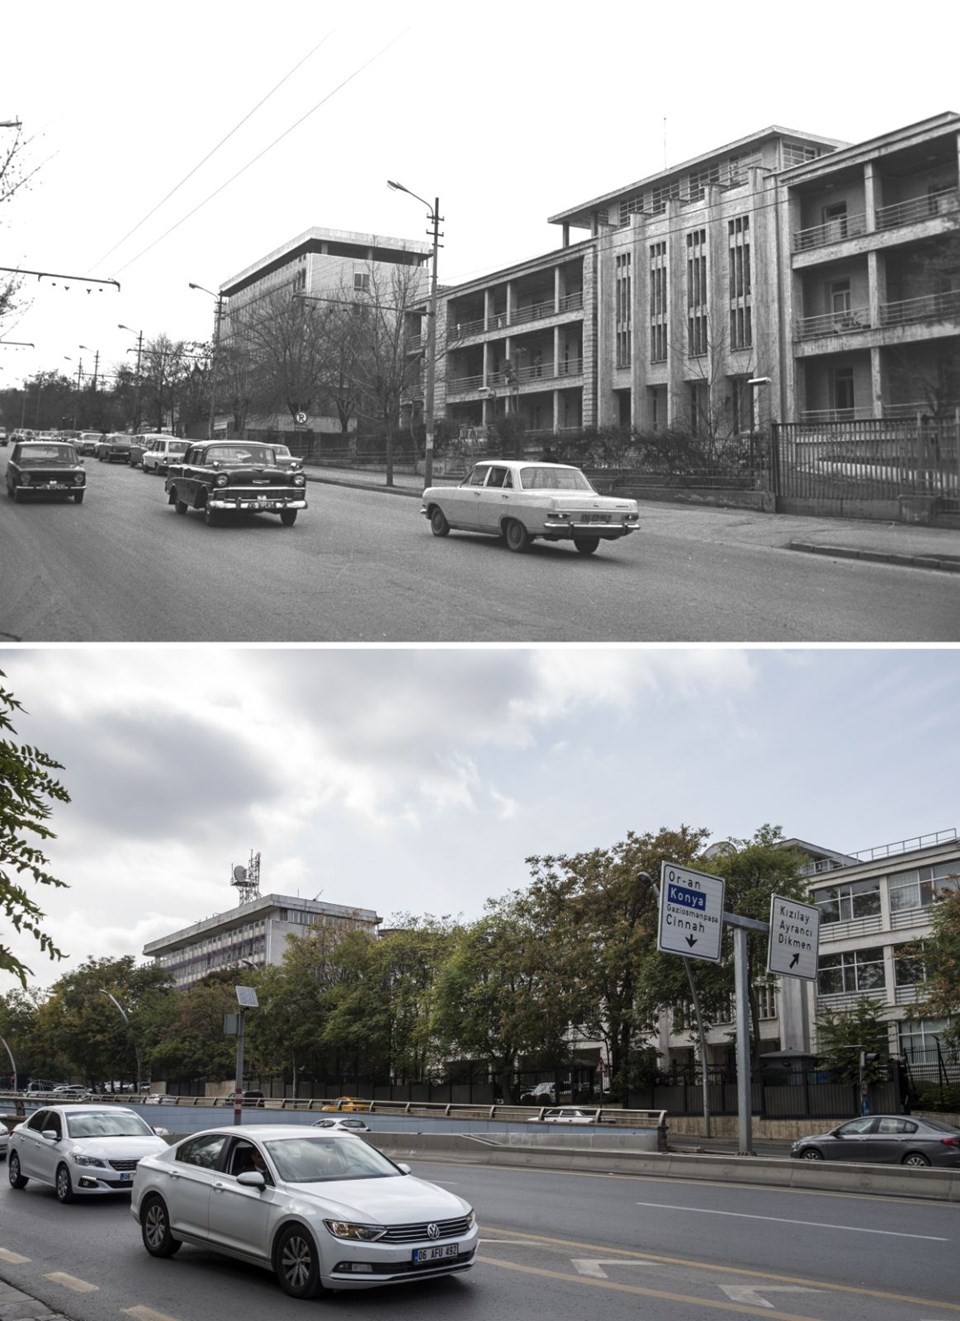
(906, 311)
(520, 316)
(854, 225)
(541, 373)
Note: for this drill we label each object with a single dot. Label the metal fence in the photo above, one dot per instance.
(870, 459)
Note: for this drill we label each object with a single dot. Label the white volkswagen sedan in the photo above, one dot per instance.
(520, 501)
(80, 1150)
(320, 1208)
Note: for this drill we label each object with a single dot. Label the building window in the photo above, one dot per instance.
(623, 309)
(838, 296)
(843, 396)
(834, 222)
(741, 328)
(658, 302)
(697, 336)
(361, 282)
(856, 970)
(844, 903)
(741, 405)
(697, 293)
(923, 887)
(909, 969)
(921, 1041)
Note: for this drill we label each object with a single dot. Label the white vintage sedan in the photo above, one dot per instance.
(320, 1208)
(519, 501)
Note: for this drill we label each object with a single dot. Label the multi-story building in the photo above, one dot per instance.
(782, 276)
(254, 933)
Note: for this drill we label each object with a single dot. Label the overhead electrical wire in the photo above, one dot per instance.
(261, 154)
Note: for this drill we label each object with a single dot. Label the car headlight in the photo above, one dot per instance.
(222, 479)
(299, 479)
(358, 1233)
(79, 1159)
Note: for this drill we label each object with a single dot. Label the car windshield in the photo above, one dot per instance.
(537, 478)
(48, 454)
(108, 1124)
(319, 1159)
(241, 454)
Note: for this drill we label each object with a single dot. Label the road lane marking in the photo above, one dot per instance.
(749, 1293)
(631, 1254)
(72, 1282)
(14, 1258)
(780, 1220)
(593, 1266)
(147, 1314)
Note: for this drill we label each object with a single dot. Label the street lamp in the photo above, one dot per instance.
(123, 1014)
(139, 335)
(434, 217)
(216, 350)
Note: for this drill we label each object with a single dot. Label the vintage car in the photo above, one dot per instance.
(284, 458)
(520, 500)
(235, 477)
(114, 448)
(45, 467)
(159, 451)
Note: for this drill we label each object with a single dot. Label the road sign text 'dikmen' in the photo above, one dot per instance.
(691, 912)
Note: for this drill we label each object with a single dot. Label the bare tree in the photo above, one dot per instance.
(283, 342)
(164, 365)
(13, 177)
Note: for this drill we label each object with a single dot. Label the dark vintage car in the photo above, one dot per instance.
(114, 448)
(45, 467)
(235, 477)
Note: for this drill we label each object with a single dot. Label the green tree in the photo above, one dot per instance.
(843, 1035)
(941, 954)
(27, 789)
(192, 1043)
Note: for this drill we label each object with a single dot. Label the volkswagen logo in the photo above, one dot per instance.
(433, 1231)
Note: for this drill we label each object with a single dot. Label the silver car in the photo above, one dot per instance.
(4, 1139)
(80, 1150)
(886, 1139)
(320, 1208)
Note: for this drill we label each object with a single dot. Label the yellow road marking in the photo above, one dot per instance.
(14, 1258)
(630, 1254)
(72, 1282)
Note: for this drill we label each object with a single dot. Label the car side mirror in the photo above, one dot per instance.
(403, 1167)
(252, 1179)
(51, 1134)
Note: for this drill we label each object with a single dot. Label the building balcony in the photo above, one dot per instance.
(539, 375)
(848, 322)
(832, 231)
(912, 211)
(916, 209)
(856, 926)
(521, 316)
(903, 312)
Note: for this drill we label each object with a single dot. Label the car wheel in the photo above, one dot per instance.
(288, 517)
(64, 1186)
(179, 505)
(586, 545)
(78, 497)
(296, 1263)
(915, 1158)
(13, 1171)
(517, 536)
(209, 516)
(811, 1153)
(155, 1228)
(438, 523)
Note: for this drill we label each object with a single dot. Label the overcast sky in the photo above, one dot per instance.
(418, 781)
(291, 115)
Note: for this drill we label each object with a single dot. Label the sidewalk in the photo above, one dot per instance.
(842, 538)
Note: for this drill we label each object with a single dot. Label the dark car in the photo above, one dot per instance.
(45, 467)
(886, 1139)
(235, 477)
(114, 448)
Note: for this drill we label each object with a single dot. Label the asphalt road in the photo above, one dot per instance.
(360, 566)
(553, 1244)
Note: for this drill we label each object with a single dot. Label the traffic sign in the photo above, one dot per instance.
(301, 418)
(794, 944)
(691, 913)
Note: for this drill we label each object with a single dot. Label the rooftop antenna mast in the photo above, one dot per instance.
(247, 879)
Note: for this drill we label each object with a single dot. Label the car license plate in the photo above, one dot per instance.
(596, 518)
(436, 1253)
(126, 1176)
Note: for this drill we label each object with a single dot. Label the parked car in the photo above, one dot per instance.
(352, 1123)
(321, 1210)
(887, 1139)
(160, 451)
(237, 476)
(564, 1115)
(45, 467)
(80, 1150)
(114, 448)
(88, 442)
(352, 1104)
(521, 501)
(284, 458)
(4, 1139)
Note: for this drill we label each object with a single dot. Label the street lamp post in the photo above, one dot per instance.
(139, 335)
(434, 217)
(216, 352)
(123, 1014)
(13, 1062)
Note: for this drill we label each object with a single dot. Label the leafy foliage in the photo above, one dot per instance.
(26, 790)
(941, 952)
(843, 1035)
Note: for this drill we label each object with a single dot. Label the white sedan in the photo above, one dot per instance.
(4, 1139)
(321, 1209)
(565, 1115)
(520, 501)
(80, 1150)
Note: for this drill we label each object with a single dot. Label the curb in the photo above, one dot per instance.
(15, 1305)
(943, 563)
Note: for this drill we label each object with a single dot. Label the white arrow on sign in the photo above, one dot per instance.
(750, 1294)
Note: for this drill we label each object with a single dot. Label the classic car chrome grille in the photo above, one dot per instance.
(418, 1233)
